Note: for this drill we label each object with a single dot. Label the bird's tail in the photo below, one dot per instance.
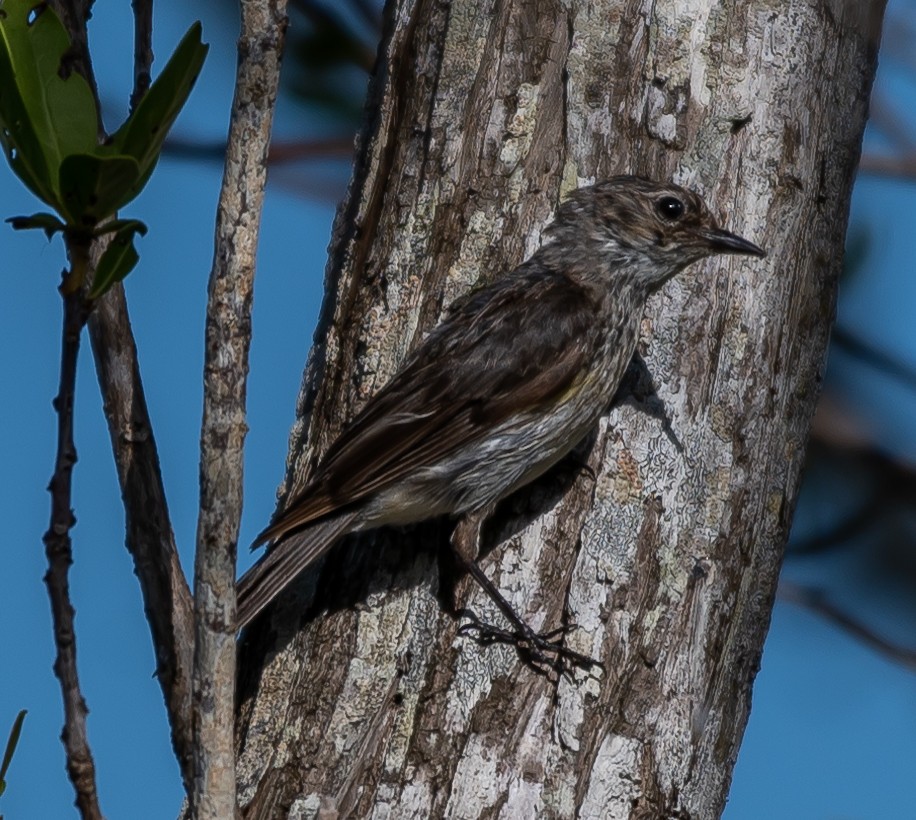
(285, 560)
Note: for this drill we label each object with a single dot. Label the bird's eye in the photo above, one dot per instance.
(670, 208)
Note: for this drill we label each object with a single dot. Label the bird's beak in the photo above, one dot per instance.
(720, 241)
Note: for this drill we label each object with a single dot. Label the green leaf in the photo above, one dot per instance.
(145, 130)
(46, 111)
(93, 188)
(49, 223)
(10, 748)
(48, 124)
(118, 225)
(118, 260)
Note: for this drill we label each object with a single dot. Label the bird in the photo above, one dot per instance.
(516, 374)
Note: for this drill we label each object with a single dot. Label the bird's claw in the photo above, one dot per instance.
(542, 652)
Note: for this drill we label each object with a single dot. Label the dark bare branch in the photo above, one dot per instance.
(149, 539)
(816, 600)
(902, 167)
(874, 357)
(143, 49)
(58, 547)
(280, 151)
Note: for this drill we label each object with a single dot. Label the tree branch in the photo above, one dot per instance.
(816, 601)
(280, 151)
(873, 357)
(228, 336)
(58, 548)
(902, 167)
(143, 49)
(149, 538)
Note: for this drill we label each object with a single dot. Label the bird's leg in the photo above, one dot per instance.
(538, 650)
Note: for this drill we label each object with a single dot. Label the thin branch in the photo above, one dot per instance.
(143, 49)
(891, 485)
(816, 601)
(885, 115)
(370, 13)
(874, 357)
(326, 21)
(850, 527)
(228, 337)
(150, 540)
(280, 151)
(901, 167)
(58, 548)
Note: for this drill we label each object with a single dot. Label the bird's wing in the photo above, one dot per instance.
(506, 349)
(276, 570)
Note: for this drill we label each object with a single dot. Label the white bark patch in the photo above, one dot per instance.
(520, 127)
(525, 786)
(523, 801)
(305, 808)
(661, 125)
(611, 788)
(472, 682)
(476, 785)
(421, 623)
(394, 803)
(370, 672)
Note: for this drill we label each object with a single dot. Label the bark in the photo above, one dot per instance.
(223, 430)
(357, 698)
(149, 538)
(58, 545)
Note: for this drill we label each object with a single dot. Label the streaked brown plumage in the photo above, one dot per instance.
(511, 380)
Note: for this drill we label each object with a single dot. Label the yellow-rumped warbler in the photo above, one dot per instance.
(512, 379)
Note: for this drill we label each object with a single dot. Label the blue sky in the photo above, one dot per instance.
(833, 732)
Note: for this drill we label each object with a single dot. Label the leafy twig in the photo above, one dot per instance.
(58, 151)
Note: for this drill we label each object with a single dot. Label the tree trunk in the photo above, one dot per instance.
(357, 697)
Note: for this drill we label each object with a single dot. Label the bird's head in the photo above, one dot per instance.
(649, 230)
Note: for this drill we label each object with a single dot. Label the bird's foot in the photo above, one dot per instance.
(544, 652)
